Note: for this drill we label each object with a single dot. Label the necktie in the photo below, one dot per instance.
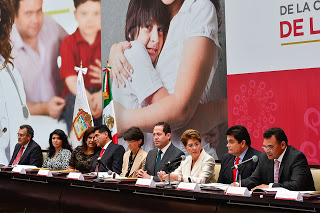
(18, 156)
(276, 174)
(101, 153)
(157, 162)
(235, 170)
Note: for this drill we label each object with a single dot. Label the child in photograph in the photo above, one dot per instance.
(147, 23)
(83, 47)
(186, 67)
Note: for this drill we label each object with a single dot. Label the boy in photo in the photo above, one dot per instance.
(83, 46)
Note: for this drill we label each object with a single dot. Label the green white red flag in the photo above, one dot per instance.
(108, 114)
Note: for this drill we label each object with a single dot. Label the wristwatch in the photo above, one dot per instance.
(179, 178)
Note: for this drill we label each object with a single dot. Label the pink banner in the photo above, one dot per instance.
(286, 99)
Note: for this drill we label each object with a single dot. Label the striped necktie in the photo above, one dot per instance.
(276, 174)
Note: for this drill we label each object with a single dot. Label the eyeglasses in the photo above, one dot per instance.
(20, 135)
(269, 148)
(191, 145)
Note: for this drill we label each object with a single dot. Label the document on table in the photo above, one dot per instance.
(215, 185)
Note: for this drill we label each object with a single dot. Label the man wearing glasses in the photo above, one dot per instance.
(281, 165)
(26, 151)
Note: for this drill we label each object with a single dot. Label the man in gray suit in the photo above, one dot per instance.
(158, 157)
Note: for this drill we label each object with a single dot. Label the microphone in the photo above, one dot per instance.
(104, 165)
(254, 159)
(178, 159)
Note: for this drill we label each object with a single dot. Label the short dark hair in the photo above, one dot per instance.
(63, 137)
(166, 127)
(190, 134)
(103, 128)
(133, 133)
(140, 12)
(78, 2)
(29, 130)
(278, 133)
(240, 133)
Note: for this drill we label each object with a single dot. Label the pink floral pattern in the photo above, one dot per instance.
(254, 107)
(310, 149)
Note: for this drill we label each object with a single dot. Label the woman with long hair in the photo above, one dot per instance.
(82, 156)
(13, 109)
(59, 152)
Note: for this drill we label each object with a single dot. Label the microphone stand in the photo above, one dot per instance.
(240, 169)
(169, 186)
(98, 179)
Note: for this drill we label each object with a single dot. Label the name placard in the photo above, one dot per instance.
(289, 195)
(18, 170)
(75, 176)
(189, 186)
(238, 191)
(45, 172)
(146, 183)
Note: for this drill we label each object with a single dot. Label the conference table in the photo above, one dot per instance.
(32, 193)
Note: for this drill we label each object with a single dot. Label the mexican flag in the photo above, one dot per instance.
(108, 115)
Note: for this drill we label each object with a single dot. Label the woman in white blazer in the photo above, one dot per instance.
(134, 159)
(198, 167)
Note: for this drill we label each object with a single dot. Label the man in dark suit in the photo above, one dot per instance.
(26, 151)
(280, 165)
(239, 150)
(158, 157)
(111, 154)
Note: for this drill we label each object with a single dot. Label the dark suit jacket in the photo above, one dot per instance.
(294, 173)
(112, 158)
(31, 156)
(227, 161)
(171, 154)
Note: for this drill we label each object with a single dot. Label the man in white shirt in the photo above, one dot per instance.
(111, 154)
(36, 41)
(165, 151)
